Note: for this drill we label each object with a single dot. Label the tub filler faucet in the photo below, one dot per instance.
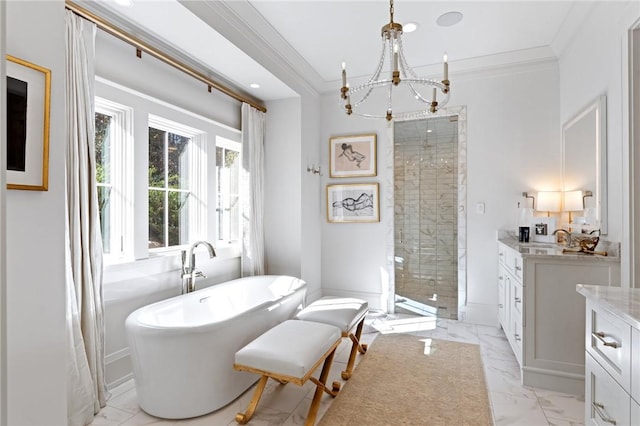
(189, 271)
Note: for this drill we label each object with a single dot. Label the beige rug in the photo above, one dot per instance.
(410, 380)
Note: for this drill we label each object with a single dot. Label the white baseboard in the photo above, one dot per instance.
(479, 313)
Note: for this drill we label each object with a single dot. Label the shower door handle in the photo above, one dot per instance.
(401, 238)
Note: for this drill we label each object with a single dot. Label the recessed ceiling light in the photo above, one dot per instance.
(410, 27)
(448, 19)
(254, 85)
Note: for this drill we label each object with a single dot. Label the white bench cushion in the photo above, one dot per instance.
(343, 312)
(290, 348)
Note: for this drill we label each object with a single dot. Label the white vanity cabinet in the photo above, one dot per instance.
(543, 316)
(612, 353)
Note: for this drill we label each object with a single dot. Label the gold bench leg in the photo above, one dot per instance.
(243, 418)
(355, 347)
(320, 388)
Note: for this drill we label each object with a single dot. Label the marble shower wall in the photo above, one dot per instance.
(426, 225)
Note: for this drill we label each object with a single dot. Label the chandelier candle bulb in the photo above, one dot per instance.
(445, 71)
(434, 94)
(344, 74)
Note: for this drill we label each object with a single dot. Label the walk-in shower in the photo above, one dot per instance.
(428, 180)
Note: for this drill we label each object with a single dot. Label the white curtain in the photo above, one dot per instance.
(86, 389)
(253, 130)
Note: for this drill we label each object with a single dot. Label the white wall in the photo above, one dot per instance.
(592, 64)
(282, 226)
(36, 348)
(513, 146)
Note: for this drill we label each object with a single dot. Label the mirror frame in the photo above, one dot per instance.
(599, 106)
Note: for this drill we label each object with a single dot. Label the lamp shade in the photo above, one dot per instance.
(573, 201)
(549, 201)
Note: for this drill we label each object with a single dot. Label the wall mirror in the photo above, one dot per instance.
(584, 160)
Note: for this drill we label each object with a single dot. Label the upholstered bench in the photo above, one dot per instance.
(346, 313)
(291, 352)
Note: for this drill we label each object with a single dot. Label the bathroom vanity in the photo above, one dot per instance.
(612, 343)
(541, 313)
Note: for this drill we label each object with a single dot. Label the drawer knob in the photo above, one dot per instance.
(600, 336)
(517, 337)
(517, 300)
(599, 408)
(518, 268)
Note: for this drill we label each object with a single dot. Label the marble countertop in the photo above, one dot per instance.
(552, 250)
(625, 302)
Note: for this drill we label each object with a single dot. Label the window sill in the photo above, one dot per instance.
(160, 262)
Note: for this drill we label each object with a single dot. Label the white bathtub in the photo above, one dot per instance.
(182, 349)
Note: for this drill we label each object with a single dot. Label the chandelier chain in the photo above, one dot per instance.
(391, 10)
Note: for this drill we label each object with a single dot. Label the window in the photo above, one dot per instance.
(228, 189)
(158, 194)
(103, 176)
(175, 188)
(113, 154)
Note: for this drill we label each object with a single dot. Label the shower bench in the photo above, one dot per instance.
(290, 352)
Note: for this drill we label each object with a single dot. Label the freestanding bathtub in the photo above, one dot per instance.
(182, 349)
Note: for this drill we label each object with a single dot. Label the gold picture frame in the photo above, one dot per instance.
(359, 202)
(353, 156)
(28, 110)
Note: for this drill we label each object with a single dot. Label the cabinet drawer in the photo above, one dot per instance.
(608, 340)
(517, 300)
(517, 336)
(605, 401)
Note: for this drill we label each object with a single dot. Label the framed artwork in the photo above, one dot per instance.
(352, 156)
(28, 103)
(353, 203)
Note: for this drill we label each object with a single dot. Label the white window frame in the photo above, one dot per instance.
(121, 172)
(197, 178)
(222, 142)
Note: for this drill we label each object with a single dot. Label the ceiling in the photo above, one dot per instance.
(326, 33)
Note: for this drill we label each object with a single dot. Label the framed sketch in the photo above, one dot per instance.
(352, 156)
(28, 103)
(353, 203)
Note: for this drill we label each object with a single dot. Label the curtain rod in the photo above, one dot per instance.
(142, 46)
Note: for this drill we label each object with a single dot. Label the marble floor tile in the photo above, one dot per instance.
(127, 401)
(511, 410)
(110, 416)
(559, 406)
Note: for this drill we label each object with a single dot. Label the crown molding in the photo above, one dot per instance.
(490, 66)
(240, 23)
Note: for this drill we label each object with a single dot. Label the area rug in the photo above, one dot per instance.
(410, 380)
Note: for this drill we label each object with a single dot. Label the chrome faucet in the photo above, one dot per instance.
(189, 271)
(566, 232)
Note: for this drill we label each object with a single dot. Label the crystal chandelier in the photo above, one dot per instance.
(400, 74)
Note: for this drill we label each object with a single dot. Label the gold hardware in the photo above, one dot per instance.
(434, 106)
(396, 78)
(343, 92)
(139, 44)
(389, 117)
(446, 86)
